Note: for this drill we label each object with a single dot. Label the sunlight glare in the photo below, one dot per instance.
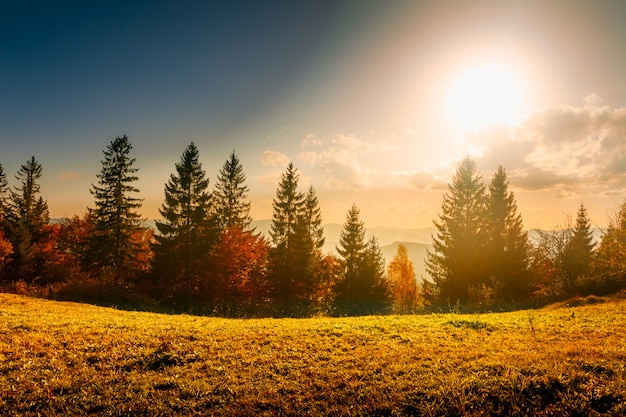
(484, 95)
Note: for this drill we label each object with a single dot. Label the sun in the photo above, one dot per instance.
(484, 95)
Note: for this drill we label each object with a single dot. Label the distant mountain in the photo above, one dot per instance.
(417, 241)
(417, 256)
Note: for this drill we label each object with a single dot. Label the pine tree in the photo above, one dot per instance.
(230, 196)
(508, 248)
(285, 231)
(186, 232)
(376, 290)
(287, 206)
(306, 256)
(457, 262)
(115, 217)
(26, 219)
(363, 288)
(402, 277)
(578, 254)
(312, 218)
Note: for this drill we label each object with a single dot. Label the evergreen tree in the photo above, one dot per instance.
(508, 248)
(609, 266)
(312, 219)
(306, 255)
(363, 287)
(231, 207)
(186, 233)
(402, 277)
(375, 288)
(115, 217)
(578, 254)
(457, 262)
(27, 217)
(285, 232)
(287, 206)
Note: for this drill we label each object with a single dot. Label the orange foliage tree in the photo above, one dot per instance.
(402, 276)
(6, 249)
(240, 258)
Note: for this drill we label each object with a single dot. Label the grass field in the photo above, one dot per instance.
(73, 359)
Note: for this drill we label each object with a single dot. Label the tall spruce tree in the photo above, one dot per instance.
(115, 217)
(230, 196)
(458, 262)
(362, 289)
(312, 219)
(306, 259)
(578, 254)
(27, 216)
(287, 235)
(508, 247)
(186, 232)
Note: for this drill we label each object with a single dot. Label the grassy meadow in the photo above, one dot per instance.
(73, 359)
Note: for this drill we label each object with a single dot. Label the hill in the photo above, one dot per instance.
(72, 359)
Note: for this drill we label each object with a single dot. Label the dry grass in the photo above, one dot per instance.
(72, 359)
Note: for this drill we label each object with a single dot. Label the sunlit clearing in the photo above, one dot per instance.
(484, 95)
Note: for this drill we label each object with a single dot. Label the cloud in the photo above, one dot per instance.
(274, 158)
(347, 162)
(564, 147)
(340, 162)
(67, 176)
(593, 99)
(311, 140)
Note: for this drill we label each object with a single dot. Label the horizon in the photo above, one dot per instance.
(374, 103)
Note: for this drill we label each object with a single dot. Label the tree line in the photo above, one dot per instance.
(205, 257)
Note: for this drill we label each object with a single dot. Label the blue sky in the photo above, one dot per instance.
(356, 93)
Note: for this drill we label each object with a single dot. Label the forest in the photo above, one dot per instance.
(204, 257)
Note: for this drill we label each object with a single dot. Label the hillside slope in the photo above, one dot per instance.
(72, 359)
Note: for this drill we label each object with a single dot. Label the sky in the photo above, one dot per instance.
(375, 102)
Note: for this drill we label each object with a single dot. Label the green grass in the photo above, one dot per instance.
(72, 359)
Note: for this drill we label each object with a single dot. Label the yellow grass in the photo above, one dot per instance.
(73, 359)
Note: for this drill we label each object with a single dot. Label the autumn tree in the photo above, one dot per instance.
(6, 248)
(232, 209)
(578, 254)
(507, 242)
(363, 287)
(71, 240)
(111, 246)
(401, 276)
(186, 232)
(458, 259)
(4, 196)
(240, 255)
(27, 217)
(239, 264)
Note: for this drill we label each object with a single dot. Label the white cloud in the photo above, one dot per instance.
(593, 99)
(274, 158)
(311, 140)
(564, 147)
(340, 162)
(346, 162)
